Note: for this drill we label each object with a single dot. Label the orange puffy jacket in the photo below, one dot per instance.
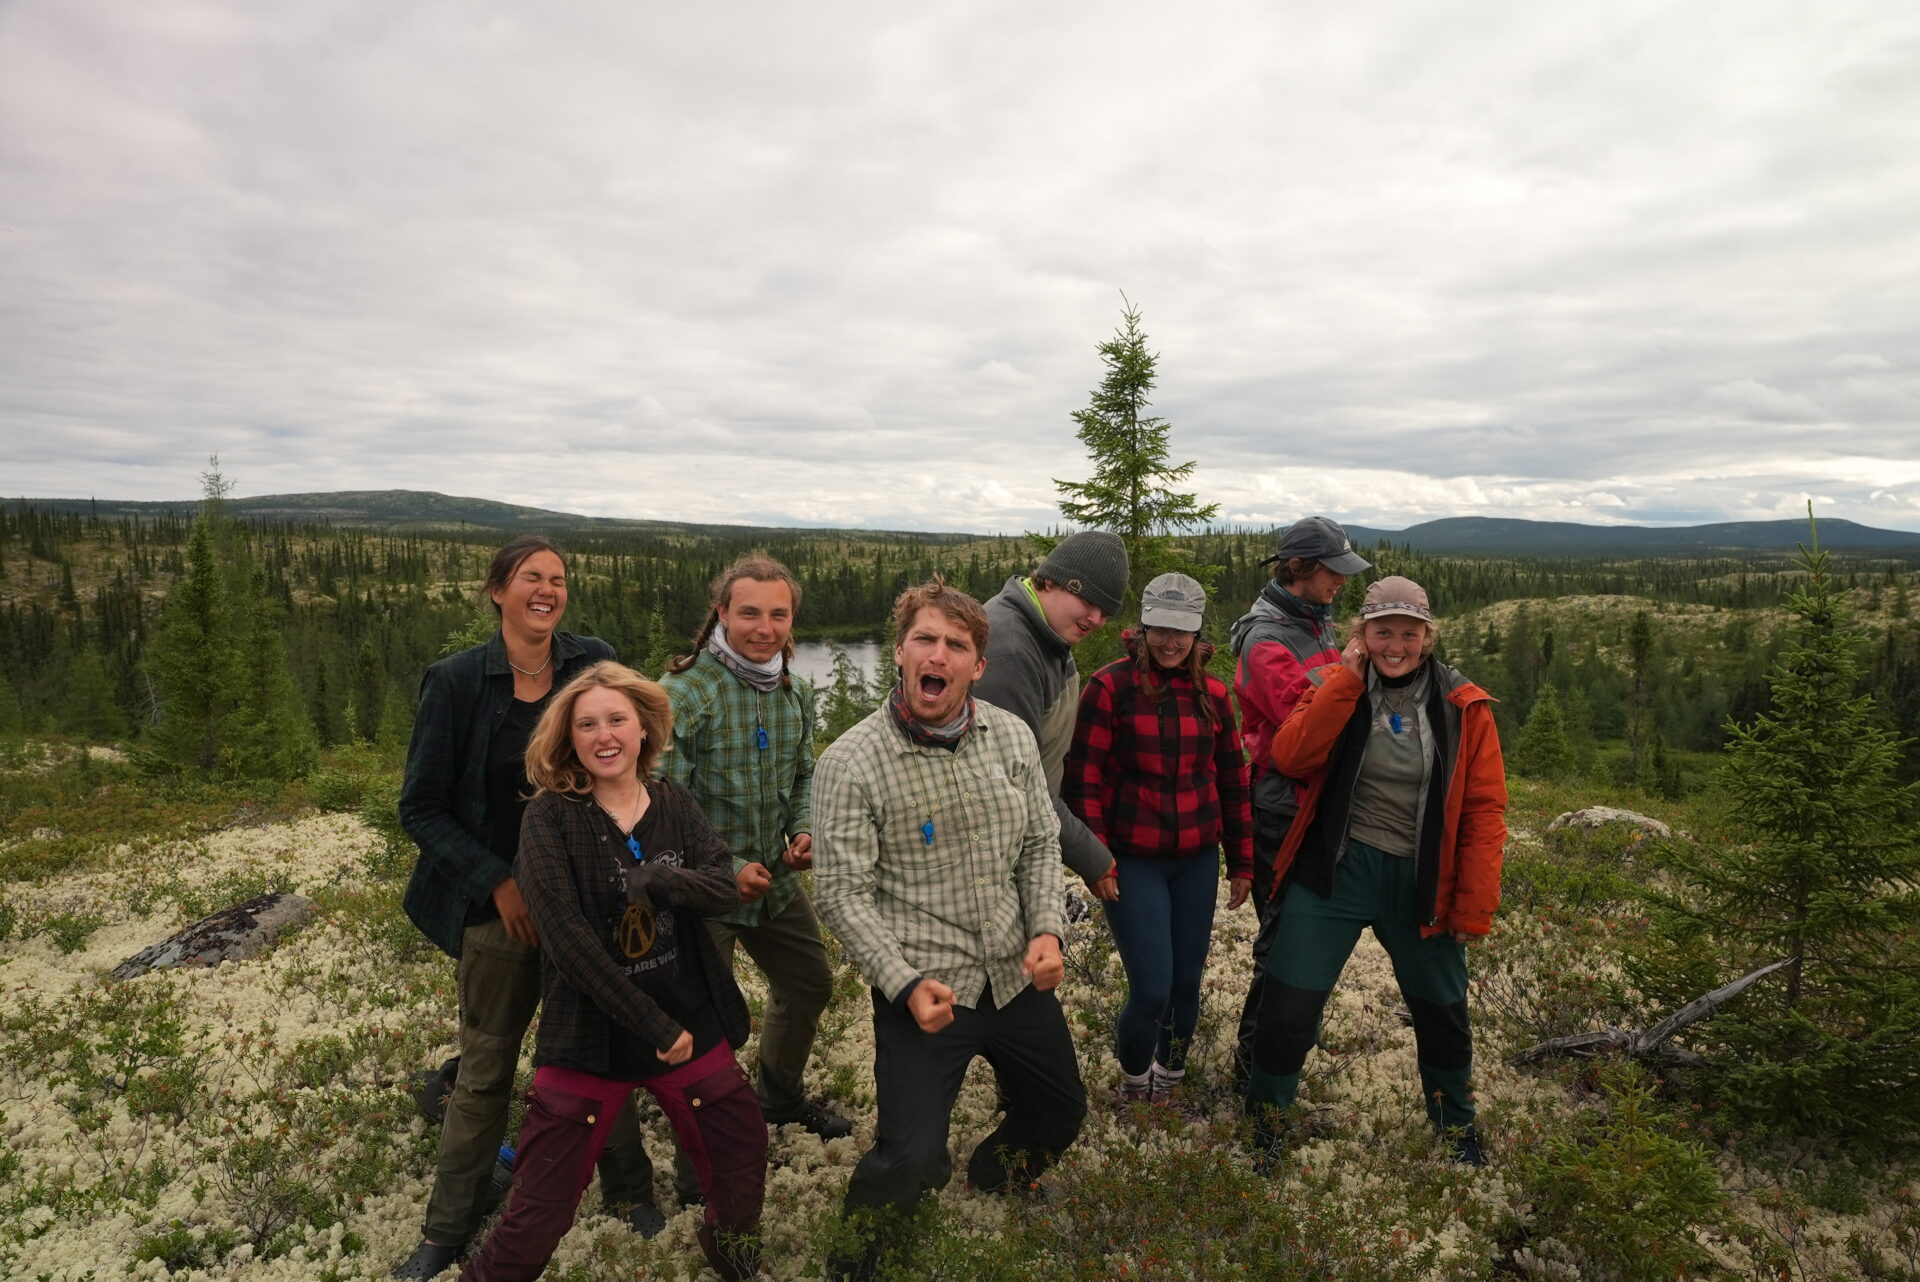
(1473, 829)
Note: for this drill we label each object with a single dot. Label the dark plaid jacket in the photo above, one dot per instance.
(573, 871)
(1151, 776)
(443, 803)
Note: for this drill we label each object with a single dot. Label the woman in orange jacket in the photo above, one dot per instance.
(1401, 825)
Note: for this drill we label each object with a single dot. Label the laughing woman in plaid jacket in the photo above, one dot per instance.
(1156, 772)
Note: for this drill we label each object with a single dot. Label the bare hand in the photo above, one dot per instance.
(799, 856)
(681, 1051)
(513, 914)
(1106, 885)
(1238, 890)
(931, 1005)
(1462, 937)
(1043, 962)
(754, 881)
(1354, 658)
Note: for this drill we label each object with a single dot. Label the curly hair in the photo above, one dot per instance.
(552, 764)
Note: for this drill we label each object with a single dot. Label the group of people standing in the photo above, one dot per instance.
(594, 844)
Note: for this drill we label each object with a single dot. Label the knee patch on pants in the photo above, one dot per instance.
(1440, 1033)
(1289, 1024)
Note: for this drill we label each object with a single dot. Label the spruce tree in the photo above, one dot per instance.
(192, 660)
(88, 707)
(267, 734)
(1543, 751)
(1827, 873)
(1131, 492)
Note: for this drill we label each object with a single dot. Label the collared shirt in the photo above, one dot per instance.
(758, 799)
(959, 905)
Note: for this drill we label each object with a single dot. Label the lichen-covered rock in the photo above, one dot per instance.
(1601, 816)
(232, 934)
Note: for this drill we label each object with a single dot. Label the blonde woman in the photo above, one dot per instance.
(620, 872)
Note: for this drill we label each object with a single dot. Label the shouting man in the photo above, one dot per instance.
(937, 869)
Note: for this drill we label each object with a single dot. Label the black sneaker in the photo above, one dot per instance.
(645, 1219)
(1463, 1146)
(429, 1259)
(827, 1125)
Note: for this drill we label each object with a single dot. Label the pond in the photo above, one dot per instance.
(814, 660)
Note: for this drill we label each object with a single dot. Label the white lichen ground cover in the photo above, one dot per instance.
(250, 1121)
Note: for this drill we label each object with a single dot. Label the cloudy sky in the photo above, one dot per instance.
(848, 264)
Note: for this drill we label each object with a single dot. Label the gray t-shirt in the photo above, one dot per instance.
(1393, 774)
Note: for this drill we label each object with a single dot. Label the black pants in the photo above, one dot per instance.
(918, 1076)
(1269, 831)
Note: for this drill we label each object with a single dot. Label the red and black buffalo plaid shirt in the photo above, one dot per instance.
(1151, 776)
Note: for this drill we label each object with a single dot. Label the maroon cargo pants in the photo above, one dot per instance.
(716, 1119)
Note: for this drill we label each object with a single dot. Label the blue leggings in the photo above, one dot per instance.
(1162, 924)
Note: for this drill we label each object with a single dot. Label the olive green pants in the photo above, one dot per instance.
(1312, 941)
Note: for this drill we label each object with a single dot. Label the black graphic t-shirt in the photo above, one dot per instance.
(653, 949)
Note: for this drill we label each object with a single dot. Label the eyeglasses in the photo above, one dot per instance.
(1166, 636)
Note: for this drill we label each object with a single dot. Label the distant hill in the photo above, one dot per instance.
(428, 512)
(423, 511)
(1505, 536)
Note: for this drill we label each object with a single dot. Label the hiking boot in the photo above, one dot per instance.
(645, 1219)
(822, 1122)
(429, 1259)
(1463, 1146)
(1269, 1145)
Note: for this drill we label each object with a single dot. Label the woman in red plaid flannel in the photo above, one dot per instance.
(1157, 773)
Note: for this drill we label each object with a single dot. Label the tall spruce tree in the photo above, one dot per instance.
(1827, 873)
(1131, 492)
(192, 660)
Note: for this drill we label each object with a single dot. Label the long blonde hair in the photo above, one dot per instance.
(553, 766)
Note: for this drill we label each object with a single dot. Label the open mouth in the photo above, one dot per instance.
(606, 754)
(932, 687)
(540, 607)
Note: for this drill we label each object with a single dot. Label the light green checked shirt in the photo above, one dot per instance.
(962, 906)
(756, 798)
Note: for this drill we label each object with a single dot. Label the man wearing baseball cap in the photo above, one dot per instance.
(1033, 626)
(1286, 634)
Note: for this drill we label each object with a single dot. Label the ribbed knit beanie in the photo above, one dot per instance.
(1092, 565)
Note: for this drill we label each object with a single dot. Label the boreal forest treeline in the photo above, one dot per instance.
(1651, 653)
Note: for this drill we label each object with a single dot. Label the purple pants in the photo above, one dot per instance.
(716, 1119)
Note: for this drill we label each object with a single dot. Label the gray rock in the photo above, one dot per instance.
(1600, 816)
(232, 934)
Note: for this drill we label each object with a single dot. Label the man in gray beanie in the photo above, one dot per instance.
(1033, 626)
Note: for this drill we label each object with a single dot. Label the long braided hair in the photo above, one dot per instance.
(761, 569)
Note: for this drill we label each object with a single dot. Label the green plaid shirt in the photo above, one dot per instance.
(756, 798)
(963, 905)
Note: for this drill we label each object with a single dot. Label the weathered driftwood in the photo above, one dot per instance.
(1649, 1043)
(232, 934)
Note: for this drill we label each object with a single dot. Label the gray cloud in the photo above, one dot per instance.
(848, 264)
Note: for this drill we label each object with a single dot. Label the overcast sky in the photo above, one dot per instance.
(848, 264)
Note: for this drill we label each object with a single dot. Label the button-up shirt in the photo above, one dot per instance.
(758, 798)
(930, 862)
